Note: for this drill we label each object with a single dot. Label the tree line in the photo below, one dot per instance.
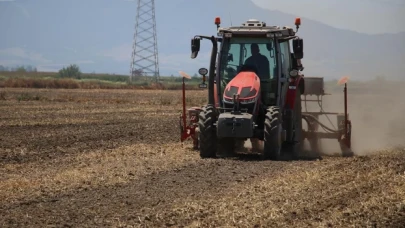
(22, 68)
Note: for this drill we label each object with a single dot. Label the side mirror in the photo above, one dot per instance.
(195, 47)
(298, 48)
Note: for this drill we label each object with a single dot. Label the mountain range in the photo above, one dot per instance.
(97, 35)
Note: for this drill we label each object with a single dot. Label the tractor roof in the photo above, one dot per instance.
(254, 27)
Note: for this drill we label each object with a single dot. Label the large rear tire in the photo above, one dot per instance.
(272, 134)
(295, 144)
(298, 137)
(207, 134)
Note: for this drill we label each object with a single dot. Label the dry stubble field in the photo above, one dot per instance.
(113, 158)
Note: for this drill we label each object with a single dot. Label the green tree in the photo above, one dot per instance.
(72, 71)
(21, 69)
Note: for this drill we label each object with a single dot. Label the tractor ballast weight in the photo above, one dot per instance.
(258, 95)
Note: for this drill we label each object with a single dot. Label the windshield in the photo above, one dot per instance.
(257, 54)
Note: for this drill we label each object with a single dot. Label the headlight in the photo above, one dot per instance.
(248, 101)
(229, 101)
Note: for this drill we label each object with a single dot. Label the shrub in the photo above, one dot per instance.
(72, 71)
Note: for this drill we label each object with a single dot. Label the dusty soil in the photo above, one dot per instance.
(113, 158)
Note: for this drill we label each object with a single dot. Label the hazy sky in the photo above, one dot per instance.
(98, 34)
(366, 16)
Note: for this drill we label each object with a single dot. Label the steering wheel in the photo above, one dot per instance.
(249, 67)
(232, 65)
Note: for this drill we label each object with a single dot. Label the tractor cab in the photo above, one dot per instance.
(255, 48)
(243, 54)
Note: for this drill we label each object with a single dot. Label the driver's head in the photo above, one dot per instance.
(254, 48)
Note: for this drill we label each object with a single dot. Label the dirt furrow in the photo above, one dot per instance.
(30, 143)
(233, 192)
(95, 158)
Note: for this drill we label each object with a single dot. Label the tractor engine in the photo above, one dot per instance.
(242, 92)
(241, 100)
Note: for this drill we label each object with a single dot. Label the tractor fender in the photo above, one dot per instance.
(301, 85)
(293, 85)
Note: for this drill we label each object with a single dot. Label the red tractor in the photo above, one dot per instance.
(255, 88)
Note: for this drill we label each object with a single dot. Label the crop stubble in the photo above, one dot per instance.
(112, 158)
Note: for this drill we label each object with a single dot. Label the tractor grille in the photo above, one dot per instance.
(247, 93)
(233, 90)
(249, 107)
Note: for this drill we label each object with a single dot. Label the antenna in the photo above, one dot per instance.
(230, 17)
(144, 50)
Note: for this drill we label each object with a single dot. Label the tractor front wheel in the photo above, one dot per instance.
(272, 134)
(207, 133)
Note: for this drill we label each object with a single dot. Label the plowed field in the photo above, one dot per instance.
(113, 158)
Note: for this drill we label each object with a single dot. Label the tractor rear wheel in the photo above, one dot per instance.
(207, 133)
(272, 134)
(298, 143)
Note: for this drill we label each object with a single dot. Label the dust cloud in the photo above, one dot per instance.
(377, 115)
(377, 112)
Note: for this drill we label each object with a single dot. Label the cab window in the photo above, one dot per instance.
(237, 52)
(285, 58)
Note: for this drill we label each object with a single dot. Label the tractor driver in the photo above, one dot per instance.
(260, 61)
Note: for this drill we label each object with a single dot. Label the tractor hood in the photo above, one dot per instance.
(246, 84)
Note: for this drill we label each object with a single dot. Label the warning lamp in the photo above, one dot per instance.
(297, 21)
(218, 21)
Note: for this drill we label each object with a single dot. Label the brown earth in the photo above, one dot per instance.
(113, 158)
